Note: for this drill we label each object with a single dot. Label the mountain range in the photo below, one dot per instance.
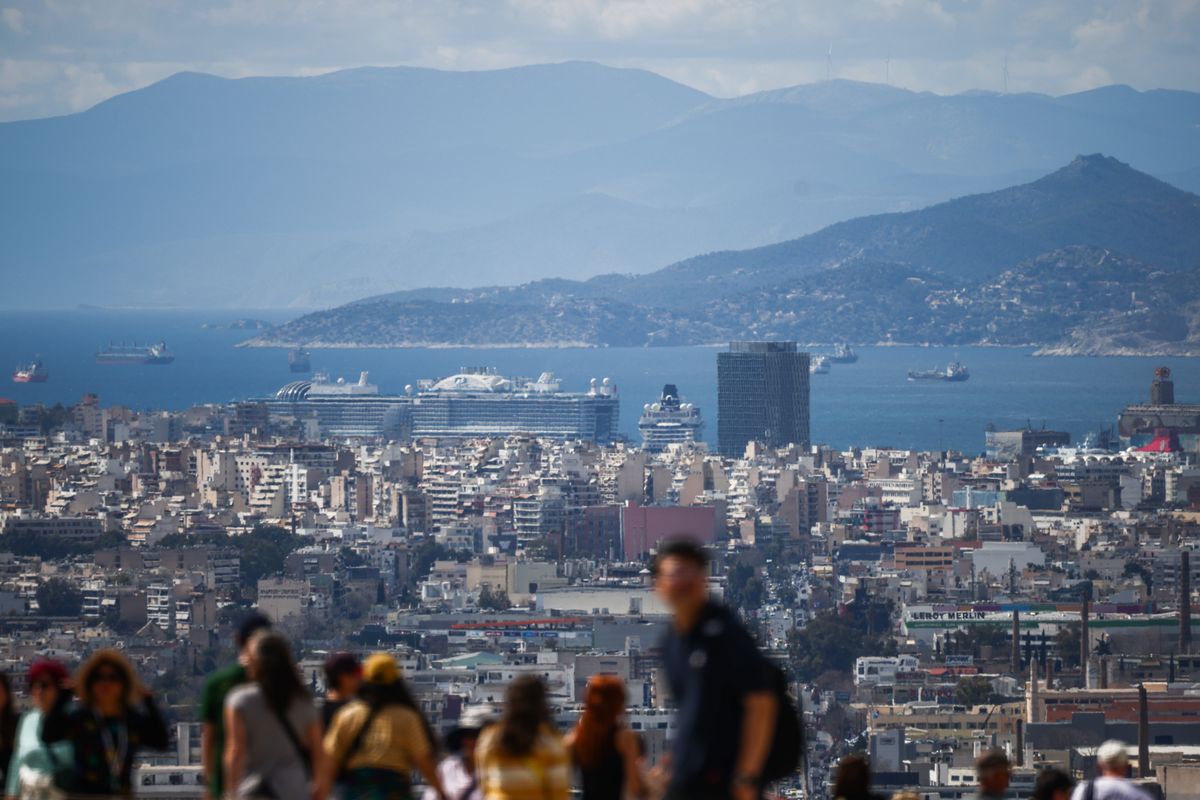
(1095, 257)
(314, 191)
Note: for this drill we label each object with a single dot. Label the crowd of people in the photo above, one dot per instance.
(993, 773)
(265, 735)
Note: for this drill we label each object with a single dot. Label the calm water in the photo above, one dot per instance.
(867, 403)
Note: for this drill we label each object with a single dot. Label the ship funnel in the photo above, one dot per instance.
(362, 378)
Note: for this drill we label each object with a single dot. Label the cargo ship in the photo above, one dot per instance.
(843, 354)
(954, 372)
(33, 372)
(298, 360)
(135, 354)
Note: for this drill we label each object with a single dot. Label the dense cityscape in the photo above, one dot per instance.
(926, 607)
(599, 400)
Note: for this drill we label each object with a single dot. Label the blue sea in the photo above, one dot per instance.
(867, 403)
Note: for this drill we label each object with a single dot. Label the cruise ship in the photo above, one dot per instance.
(480, 402)
(33, 372)
(954, 372)
(669, 421)
(343, 409)
(135, 354)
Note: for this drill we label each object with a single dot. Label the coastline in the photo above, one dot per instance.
(1037, 350)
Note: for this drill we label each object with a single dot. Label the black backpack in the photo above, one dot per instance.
(787, 744)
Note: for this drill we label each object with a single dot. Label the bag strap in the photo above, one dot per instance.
(357, 741)
(301, 750)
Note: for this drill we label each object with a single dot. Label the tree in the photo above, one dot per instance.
(743, 588)
(832, 640)
(494, 601)
(973, 690)
(58, 597)
(1067, 642)
(427, 552)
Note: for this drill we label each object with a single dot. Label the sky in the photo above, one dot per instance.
(60, 56)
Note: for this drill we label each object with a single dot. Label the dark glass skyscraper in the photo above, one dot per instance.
(762, 395)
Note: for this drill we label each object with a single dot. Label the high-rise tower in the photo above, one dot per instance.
(762, 395)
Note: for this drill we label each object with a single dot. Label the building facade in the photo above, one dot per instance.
(762, 396)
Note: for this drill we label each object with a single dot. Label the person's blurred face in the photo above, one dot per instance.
(348, 683)
(43, 692)
(1062, 794)
(108, 686)
(681, 583)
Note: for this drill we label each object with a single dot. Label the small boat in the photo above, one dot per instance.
(843, 354)
(33, 372)
(819, 365)
(954, 372)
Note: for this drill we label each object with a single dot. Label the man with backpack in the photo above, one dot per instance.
(1112, 780)
(727, 694)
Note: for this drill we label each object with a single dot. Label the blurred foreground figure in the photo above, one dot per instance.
(460, 779)
(113, 719)
(1053, 784)
(1112, 764)
(721, 684)
(37, 769)
(521, 757)
(993, 772)
(343, 676)
(273, 732)
(212, 705)
(376, 741)
(853, 779)
(605, 751)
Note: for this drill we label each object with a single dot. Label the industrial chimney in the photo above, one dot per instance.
(1016, 643)
(1143, 732)
(1185, 601)
(1085, 649)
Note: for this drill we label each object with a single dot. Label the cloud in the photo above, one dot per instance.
(66, 56)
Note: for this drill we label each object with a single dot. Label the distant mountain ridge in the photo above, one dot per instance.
(1094, 257)
(315, 191)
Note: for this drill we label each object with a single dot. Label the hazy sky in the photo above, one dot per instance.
(58, 56)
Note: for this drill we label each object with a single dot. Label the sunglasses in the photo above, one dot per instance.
(108, 677)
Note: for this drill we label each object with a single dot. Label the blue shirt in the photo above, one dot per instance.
(711, 668)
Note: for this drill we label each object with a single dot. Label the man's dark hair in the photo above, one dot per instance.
(340, 664)
(679, 548)
(1051, 781)
(250, 625)
(990, 761)
(853, 778)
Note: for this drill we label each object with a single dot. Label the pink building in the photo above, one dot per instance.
(643, 527)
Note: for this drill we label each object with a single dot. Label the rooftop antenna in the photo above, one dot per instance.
(1006, 73)
(829, 63)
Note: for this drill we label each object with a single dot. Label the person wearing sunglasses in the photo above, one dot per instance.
(113, 719)
(37, 768)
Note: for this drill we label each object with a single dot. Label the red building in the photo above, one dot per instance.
(643, 527)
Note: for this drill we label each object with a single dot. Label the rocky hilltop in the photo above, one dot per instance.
(1094, 258)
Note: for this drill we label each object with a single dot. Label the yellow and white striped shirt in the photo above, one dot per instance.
(542, 774)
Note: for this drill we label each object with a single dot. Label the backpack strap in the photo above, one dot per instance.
(301, 750)
(357, 741)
